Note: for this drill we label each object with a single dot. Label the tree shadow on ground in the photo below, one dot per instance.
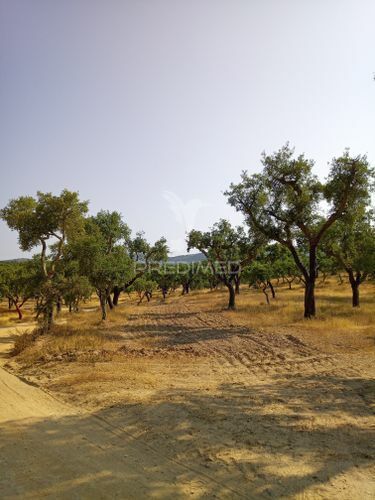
(273, 439)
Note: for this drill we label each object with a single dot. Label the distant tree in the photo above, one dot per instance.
(47, 221)
(351, 243)
(167, 278)
(19, 282)
(143, 255)
(284, 203)
(104, 270)
(144, 288)
(260, 274)
(193, 275)
(283, 264)
(114, 236)
(327, 265)
(227, 250)
(74, 287)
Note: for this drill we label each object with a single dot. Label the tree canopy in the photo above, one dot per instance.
(284, 203)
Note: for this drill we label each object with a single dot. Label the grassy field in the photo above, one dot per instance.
(337, 323)
(268, 403)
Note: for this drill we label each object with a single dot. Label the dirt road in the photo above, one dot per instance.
(191, 406)
(51, 450)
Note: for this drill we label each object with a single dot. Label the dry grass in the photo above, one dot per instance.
(9, 317)
(24, 341)
(336, 318)
(337, 325)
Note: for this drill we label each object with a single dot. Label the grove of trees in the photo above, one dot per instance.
(296, 228)
(285, 203)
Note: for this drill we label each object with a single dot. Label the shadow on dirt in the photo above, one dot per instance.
(264, 440)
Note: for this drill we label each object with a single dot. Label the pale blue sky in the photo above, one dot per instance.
(145, 105)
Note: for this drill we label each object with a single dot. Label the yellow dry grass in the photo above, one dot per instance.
(335, 319)
(9, 317)
(337, 324)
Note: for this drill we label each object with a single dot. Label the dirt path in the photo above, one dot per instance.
(49, 449)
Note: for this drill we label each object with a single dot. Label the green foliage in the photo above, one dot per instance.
(351, 245)
(258, 272)
(142, 251)
(111, 229)
(166, 276)
(44, 217)
(227, 250)
(284, 203)
(104, 270)
(144, 287)
(19, 282)
(74, 287)
(194, 275)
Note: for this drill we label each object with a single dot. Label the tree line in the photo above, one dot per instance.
(295, 227)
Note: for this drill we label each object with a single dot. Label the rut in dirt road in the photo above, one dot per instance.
(211, 335)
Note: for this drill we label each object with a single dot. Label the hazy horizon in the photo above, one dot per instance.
(152, 108)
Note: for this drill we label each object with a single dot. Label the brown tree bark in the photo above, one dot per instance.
(355, 281)
(109, 301)
(237, 282)
(18, 309)
(232, 296)
(116, 295)
(264, 290)
(269, 283)
(103, 304)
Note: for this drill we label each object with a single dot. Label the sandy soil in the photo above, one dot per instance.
(192, 405)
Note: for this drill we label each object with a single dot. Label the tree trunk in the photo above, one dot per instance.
(58, 305)
(264, 288)
(18, 309)
(310, 284)
(290, 283)
(109, 301)
(10, 303)
(232, 297)
(48, 316)
(237, 282)
(272, 289)
(310, 298)
(103, 304)
(116, 295)
(354, 283)
(141, 296)
(355, 298)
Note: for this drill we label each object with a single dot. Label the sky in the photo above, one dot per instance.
(153, 107)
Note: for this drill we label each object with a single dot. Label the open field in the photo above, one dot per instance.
(206, 403)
